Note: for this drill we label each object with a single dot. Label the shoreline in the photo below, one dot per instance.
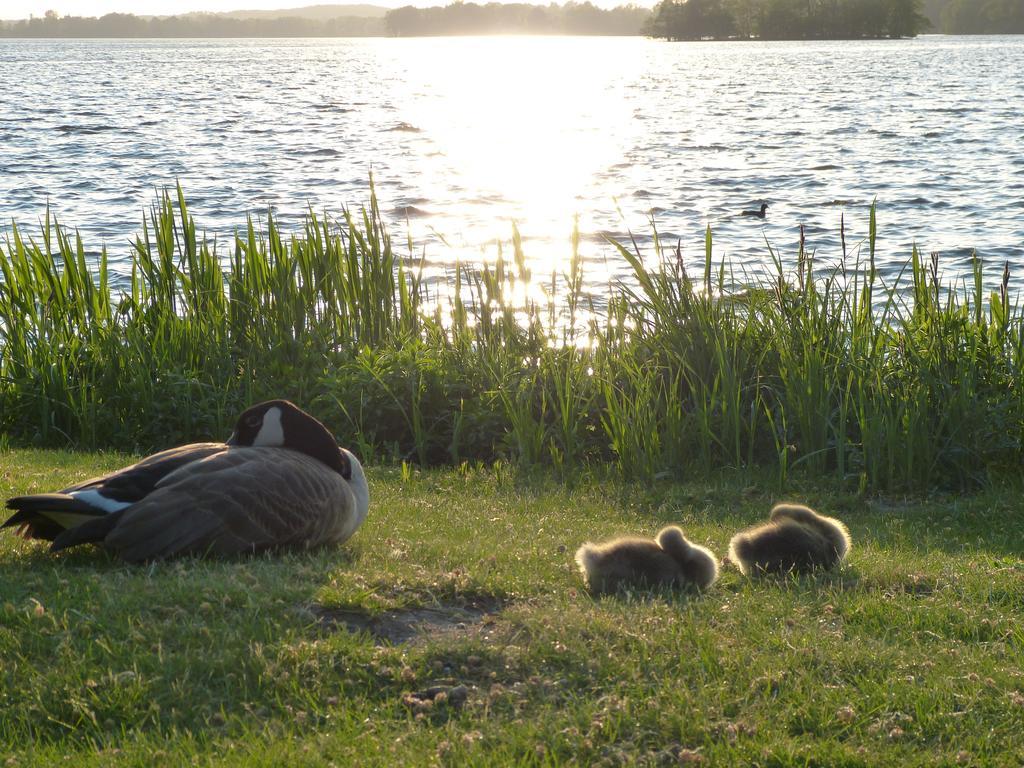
(827, 371)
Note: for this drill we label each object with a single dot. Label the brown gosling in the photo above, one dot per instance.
(669, 560)
(796, 539)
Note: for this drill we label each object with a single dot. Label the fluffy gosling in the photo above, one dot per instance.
(795, 539)
(668, 560)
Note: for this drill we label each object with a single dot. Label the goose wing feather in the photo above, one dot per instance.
(134, 482)
(240, 500)
(47, 515)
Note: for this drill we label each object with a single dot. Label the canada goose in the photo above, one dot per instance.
(668, 560)
(796, 538)
(760, 214)
(279, 481)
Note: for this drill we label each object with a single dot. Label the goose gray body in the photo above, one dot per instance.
(47, 515)
(796, 539)
(669, 560)
(280, 482)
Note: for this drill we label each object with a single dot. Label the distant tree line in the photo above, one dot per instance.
(786, 19)
(472, 19)
(457, 19)
(192, 25)
(976, 17)
(672, 19)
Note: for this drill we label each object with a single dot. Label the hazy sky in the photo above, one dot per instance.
(22, 9)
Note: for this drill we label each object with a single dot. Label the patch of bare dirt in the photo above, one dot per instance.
(405, 625)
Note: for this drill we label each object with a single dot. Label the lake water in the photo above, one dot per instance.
(465, 135)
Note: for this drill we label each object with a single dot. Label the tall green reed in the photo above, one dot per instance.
(828, 371)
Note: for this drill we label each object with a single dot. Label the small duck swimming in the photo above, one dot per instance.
(760, 214)
(668, 560)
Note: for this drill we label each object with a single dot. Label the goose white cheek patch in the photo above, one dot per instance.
(271, 432)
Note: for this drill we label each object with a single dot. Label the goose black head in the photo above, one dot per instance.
(282, 424)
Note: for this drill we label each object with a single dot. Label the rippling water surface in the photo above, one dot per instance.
(465, 135)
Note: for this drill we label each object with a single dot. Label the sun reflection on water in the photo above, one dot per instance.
(532, 124)
(464, 136)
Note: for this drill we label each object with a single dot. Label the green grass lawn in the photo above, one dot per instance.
(911, 654)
